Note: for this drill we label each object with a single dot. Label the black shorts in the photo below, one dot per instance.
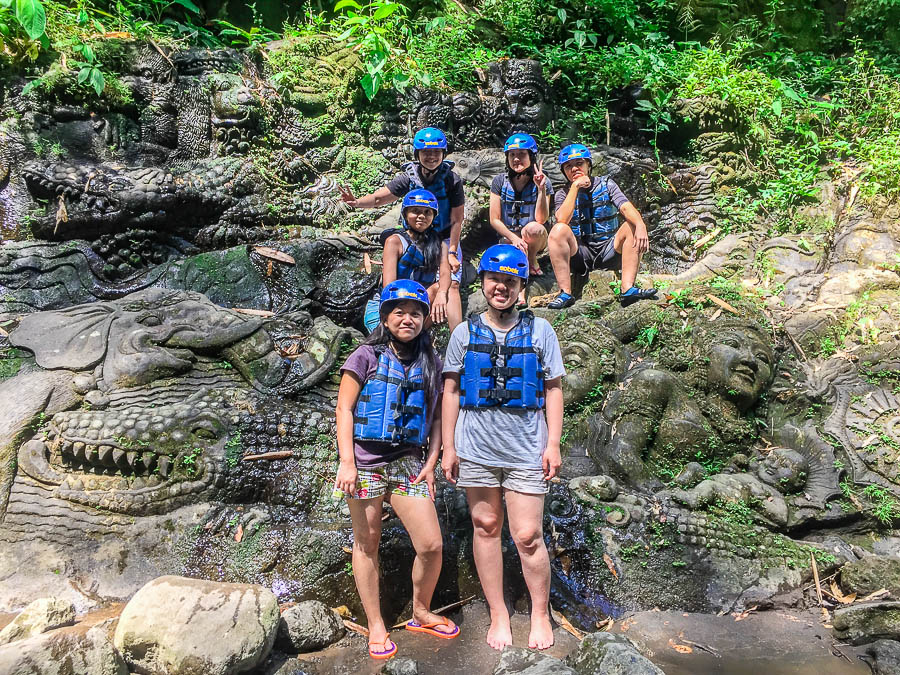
(601, 255)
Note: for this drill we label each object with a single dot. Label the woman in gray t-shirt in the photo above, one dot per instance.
(502, 371)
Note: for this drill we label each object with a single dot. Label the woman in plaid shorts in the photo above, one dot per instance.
(388, 433)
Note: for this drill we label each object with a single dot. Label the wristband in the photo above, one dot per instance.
(454, 252)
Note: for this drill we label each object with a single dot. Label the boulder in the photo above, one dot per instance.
(860, 624)
(609, 654)
(308, 626)
(401, 666)
(883, 657)
(40, 616)
(871, 574)
(521, 661)
(67, 651)
(179, 626)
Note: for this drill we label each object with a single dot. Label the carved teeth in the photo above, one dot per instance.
(66, 447)
(105, 454)
(130, 458)
(164, 466)
(149, 460)
(118, 456)
(138, 484)
(78, 450)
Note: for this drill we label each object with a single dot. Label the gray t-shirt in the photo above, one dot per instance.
(499, 436)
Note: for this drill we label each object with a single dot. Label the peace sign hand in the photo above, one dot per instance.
(347, 195)
(540, 178)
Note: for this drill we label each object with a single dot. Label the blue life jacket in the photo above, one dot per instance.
(517, 209)
(392, 406)
(439, 187)
(411, 264)
(595, 217)
(516, 381)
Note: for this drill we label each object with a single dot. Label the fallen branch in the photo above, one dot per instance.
(704, 647)
(280, 454)
(445, 608)
(356, 628)
(815, 570)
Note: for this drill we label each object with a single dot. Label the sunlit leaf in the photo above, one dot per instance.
(347, 3)
(32, 17)
(187, 4)
(97, 80)
(385, 11)
(84, 74)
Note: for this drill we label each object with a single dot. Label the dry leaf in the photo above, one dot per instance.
(606, 624)
(626, 624)
(274, 254)
(253, 312)
(62, 216)
(840, 597)
(367, 263)
(706, 238)
(681, 649)
(269, 269)
(716, 314)
(876, 595)
(343, 611)
(346, 549)
(239, 534)
(740, 616)
(565, 624)
(721, 303)
(611, 566)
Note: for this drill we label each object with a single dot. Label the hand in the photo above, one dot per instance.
(519, 243)
(426, 474)
(454, 261)
(641, 240)
(347, 195)
(582, 182)
(346, 478)
(450, 464)
(540, 178)
(439, 307)
(551, 461)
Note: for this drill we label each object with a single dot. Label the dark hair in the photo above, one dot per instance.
(423, 353)
(429, 242)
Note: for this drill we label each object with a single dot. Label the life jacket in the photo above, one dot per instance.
(517, 210)
(411, 264)
(392, 406)
(515, 382)
(439, 187)
(595, 217)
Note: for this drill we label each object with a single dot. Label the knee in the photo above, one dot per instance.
(558, 235)
(487, 525)
(534, 233)
(367, 544)
(431, 549)
(528, 539)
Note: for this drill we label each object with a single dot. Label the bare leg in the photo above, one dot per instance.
(562, 247)
(535, 236)
(526, 513)
(421, 522)
(454, 306)
(366, 517)
(631, 259)
(486, 507)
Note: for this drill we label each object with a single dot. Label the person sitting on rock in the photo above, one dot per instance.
(503, 369)
(519, 200)
(415, 252)
(430, 171)
(587, 235)
(388, 422)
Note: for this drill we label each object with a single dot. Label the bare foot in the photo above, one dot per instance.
(535, 270)
(541, 636)
(499, 635)
(440, 624)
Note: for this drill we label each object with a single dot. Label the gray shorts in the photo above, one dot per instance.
(596, 256)
(526, 481)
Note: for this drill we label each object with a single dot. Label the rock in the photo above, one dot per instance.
(883, 657)
(40, 616)
(859, 624)
(523, 661)
(871, 574)
(308, 626)
(67, 651)
(608, 654)
(401, 666)
(179, 626)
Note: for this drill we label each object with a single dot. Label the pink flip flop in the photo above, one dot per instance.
(431, 629)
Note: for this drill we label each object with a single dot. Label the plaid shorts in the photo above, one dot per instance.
(395, 477)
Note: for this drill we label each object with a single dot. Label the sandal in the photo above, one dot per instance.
(431, 629)
(561, 301)
(629, 297)
(385, 653)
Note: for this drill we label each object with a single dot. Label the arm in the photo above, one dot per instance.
(553, 397)
(380, 197)
(457, 213)
(499, 226)
(564, 212)
(348, 393)
(441, 296)
(389, 259)
(434, 450)
(633, 217)
(449, 416)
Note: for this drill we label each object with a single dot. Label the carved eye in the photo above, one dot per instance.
(150, 320)
(203, 432)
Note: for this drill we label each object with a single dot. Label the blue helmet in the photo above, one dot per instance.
(574, 151)
(520, 142)
(430, 138)
(505, 259)
(404, 289)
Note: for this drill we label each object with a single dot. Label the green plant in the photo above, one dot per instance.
(233, 449)
(660, 118)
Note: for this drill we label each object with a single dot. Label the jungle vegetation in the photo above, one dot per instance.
(813, 85)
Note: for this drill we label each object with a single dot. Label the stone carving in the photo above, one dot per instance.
(662, 417)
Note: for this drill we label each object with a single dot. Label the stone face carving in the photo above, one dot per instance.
(662, 417)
